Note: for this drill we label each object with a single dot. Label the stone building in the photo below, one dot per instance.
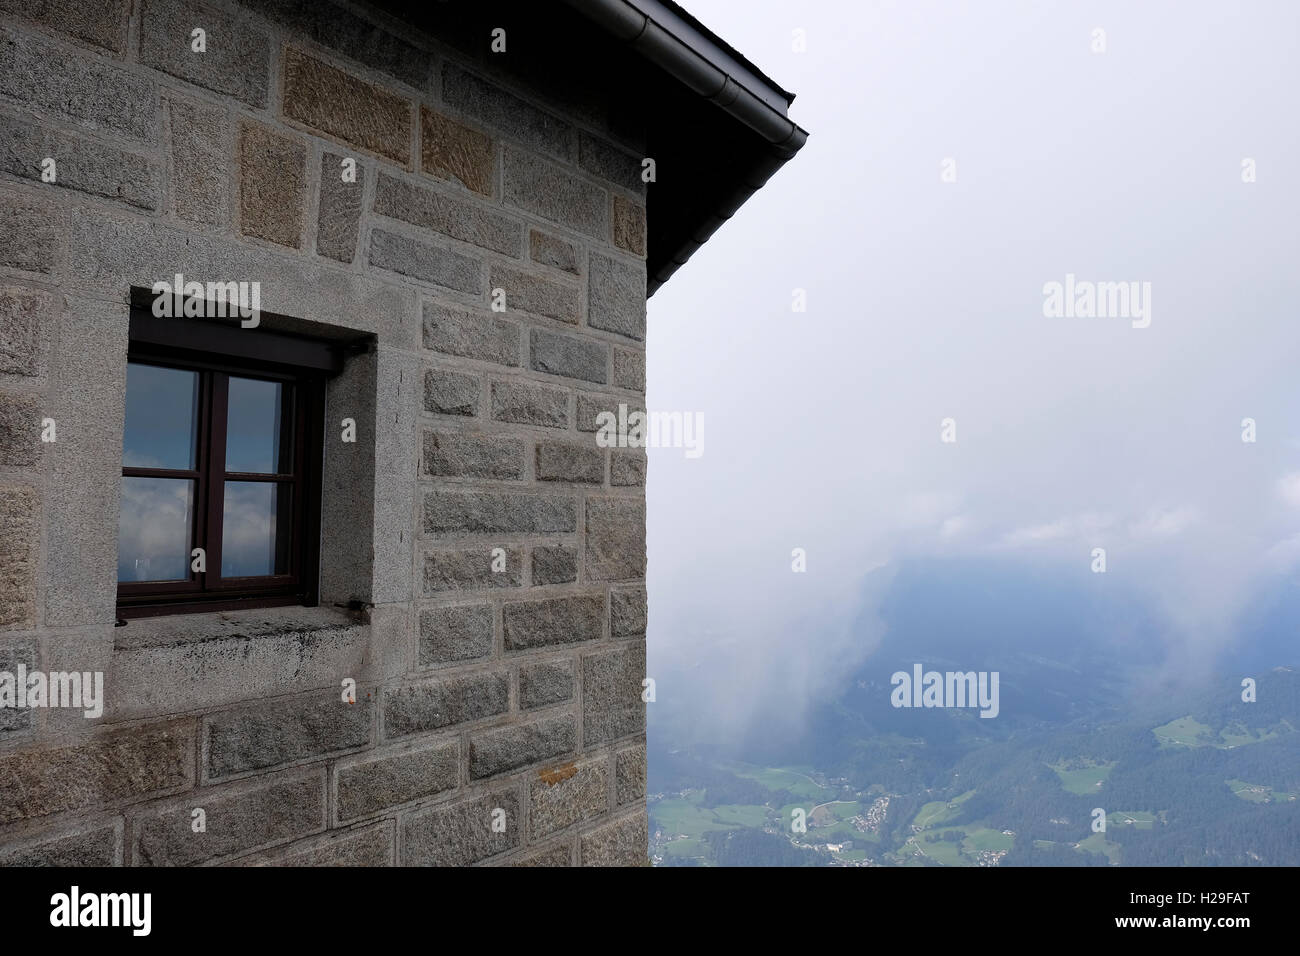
(344, 577)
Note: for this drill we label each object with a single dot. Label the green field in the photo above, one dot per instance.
(1184, 732)
(1188, 732)
(1138, 819)
(1082, 775)
(679, 816)
(1258, 793)
(1097, 843)
(744, 815)
(940, 811)
(954, 853)
(793, 779)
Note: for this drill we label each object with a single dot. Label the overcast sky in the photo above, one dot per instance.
(925, 302)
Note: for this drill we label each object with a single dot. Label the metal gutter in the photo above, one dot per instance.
(664, 34)
(681, 46)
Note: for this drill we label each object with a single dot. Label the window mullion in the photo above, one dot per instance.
(215, 475)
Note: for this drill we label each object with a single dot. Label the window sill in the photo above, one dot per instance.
(246, 623)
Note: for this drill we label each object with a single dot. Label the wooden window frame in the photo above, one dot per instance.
(217, 351)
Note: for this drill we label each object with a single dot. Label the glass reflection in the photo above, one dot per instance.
(255, 440)
(153, 529)
(162, 407)
(256, 533)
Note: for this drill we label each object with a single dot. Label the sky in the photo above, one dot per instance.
(925, 302)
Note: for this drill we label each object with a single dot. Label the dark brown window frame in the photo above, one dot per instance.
(217, 350)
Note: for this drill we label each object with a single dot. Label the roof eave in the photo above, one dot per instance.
(682, 47)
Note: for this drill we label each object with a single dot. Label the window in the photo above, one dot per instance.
(221, 463)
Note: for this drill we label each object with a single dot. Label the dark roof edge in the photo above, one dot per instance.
(680, 45)
(677, 43)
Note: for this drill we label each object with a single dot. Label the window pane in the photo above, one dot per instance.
(162, 407)
(256, 440)
(153, 529)
(257, 532)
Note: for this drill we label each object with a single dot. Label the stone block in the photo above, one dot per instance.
(346, 107)
(553, 621)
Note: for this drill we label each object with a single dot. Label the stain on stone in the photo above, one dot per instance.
(556, 775)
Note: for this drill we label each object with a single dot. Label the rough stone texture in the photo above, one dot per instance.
(272, 185)
(19, 515)
(559, 800)
(80, 498)
(433, 704)
(102, 23)
(627, 612)
(508, 748)
(615, 539)
(30, 235)
(337, 27)
(466, 221)
(461, 833)
(104, 769)
(239, 817)
(545, 189)
(424, 262)
(450, 393)
(112, 252)
(23, 313)
(627, 469)
(531, 293)
(255, 738)
(89, 91)
(622, 843)
(339, 217)
(452, 150)
(367, 846)
(20, 428)
(346, 107)
(200, 159)
(555, 565)
(473, 335)
(616, 297)
(494, 107)
(80, 165)
(524, 403)
(101, 846)
(553, 251)
(450, 634)
(481, 512)
(629, 369)
(462, 455)
(237, 59)
(543, 684)
(611, 694)
(566, 355)
(227, 165)
(630, 770)
(553, 856)
(564, 461)
(470, 570)
(553, 621)
(373, 782)
(629, 226)
(610, 163)
(169, 664)
(14, 719)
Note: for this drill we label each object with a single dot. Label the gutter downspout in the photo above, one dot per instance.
(664, 38)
